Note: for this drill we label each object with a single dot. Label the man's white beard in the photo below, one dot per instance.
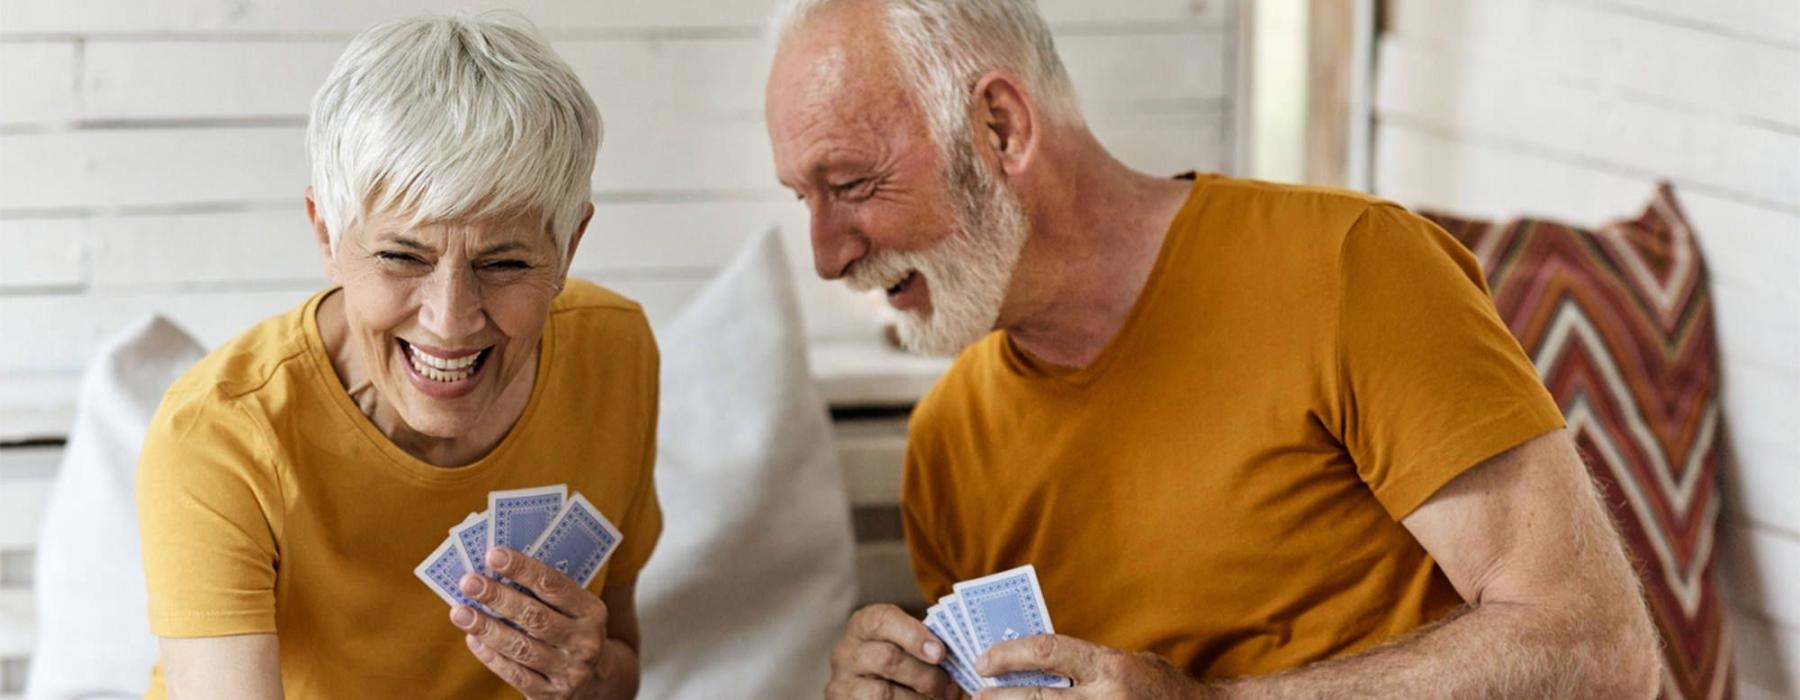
(967, 273)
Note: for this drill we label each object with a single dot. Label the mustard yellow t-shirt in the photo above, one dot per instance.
(1223, 486)
(270, 504)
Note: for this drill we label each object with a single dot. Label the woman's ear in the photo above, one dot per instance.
(322, 237)
(575, 239)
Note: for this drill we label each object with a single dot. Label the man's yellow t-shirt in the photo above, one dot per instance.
(1223, 486)
(270, 504)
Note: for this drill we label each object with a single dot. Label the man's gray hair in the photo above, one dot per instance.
(454, 117)
(945, 46)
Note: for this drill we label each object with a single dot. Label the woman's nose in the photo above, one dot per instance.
(452, 305)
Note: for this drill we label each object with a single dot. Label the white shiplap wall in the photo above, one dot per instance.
(151, 160)
(1573, 109)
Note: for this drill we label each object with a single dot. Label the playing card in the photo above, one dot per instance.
(578, 541)
(516, 518)
(471, 537)
(955, 623)
(442, 570)
(954, 663)
(1003, 607)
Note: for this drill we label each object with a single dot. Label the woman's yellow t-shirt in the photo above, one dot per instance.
(270, 504)
(1224, 485)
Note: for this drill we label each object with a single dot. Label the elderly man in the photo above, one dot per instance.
(1258, 440)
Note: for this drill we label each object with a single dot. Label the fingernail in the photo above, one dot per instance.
(981, 665)
(473, 585)
(934, 652)
(498, 558)
(462, 616)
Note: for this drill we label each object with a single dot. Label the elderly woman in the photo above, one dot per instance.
(293, 479)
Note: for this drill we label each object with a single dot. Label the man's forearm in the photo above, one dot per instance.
(1491, 650)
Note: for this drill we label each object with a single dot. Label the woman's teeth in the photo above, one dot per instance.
(440, 369)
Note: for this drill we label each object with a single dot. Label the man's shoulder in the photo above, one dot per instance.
(1275, 206)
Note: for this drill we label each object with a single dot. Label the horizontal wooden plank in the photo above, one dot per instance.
(884, 575)
(1766, 654)
(866, 371)
(122, 168)
(18, 624)
(173, 251)
(872, 453)
(1435, 170)
(40, 80)
(37, 406)
(1493, 100)
(1760, 567)
(346, 16)
(34, 463)
(1759, 325)
(263, 164)
(43, 254)
(1760, 481)
(22, 503)
(681, 80)
(1615, 52)
(1770, 21)
(83, 321)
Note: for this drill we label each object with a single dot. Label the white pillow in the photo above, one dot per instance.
(755, 574)
(93, 636)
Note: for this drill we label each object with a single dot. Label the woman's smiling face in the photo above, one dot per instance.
(443, 317)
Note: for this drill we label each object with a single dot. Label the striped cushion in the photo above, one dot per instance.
(1619, 322)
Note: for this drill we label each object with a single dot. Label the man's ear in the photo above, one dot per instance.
(1006, 121)
(575, 239)
(321, 237)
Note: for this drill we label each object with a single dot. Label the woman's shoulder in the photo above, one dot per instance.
(594, 313)
(580, 295)
(252, 360)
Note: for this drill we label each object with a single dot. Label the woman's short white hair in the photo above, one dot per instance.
(945, 46)
(453, 117)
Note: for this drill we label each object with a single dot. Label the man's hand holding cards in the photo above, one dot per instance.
(516, 579)
(885, 647)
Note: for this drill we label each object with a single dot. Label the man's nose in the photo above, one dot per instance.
(451, 309)
(835, 243)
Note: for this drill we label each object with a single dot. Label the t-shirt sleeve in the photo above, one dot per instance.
(1431, 381)
(205, 493)
(643, 522)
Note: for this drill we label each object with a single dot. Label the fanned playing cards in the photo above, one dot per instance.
(546, 523)
(984, 612)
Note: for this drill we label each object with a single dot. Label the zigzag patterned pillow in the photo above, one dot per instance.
(1619, 322)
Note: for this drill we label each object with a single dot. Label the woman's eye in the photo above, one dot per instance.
(408, 258)
(505, 265)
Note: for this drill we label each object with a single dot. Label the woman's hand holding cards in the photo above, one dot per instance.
(559, 648)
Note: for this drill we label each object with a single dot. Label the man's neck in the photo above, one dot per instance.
(1095, 239)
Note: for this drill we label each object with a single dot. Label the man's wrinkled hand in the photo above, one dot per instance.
(559, 648)
(885, 653)
(1096, 671)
